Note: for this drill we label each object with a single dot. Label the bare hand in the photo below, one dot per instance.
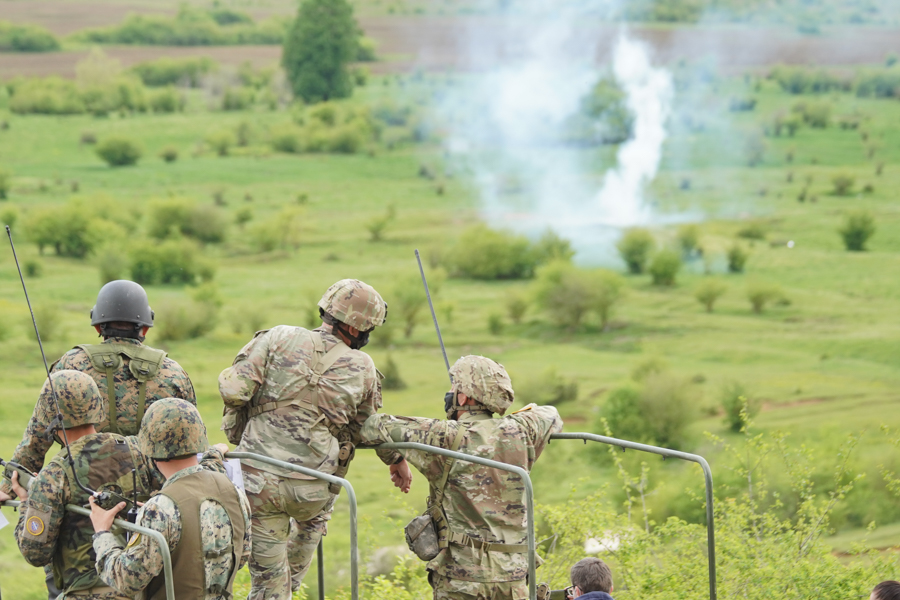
(21, 492)
(103, 519)
(4, 496)
(401, 475)
(223, 448)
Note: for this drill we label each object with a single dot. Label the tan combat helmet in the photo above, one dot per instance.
(356, 304)
(80, 401)
(483, 380)
(172, 428)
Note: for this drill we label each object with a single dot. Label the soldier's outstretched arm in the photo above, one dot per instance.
(33, 448)
(41, 515)
(382, 428)
(240, 382)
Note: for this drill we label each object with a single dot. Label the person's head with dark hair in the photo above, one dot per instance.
(591, 575)
(886, 590)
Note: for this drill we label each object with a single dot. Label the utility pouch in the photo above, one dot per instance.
(345, 455)
(424, 536)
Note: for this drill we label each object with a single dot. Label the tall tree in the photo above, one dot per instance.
(323, 40)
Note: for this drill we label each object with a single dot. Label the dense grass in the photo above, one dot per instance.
(825, 366)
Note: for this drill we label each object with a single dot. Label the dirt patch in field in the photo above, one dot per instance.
(63, 18)
(807, 401)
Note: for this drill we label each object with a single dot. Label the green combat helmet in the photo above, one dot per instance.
(483, 380)
(172, 428)
(79, 399)
(356, 304)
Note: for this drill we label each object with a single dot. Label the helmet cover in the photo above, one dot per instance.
(483, 380)
(355, 303)
(79, 398)
(171, 428)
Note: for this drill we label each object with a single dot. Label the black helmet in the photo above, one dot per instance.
(122, 300)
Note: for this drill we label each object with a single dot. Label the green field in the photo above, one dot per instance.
(824, 366)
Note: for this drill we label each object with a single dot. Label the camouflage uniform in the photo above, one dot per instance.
(171, 381)
(291, 510)
(485, 504)
(46, 533)
(133, 570)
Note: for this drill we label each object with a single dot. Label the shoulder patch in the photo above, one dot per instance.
(34, 525)
(134, 541)
(523, 409)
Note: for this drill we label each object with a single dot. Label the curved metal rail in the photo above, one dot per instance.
(351, 496)
(152, 534)
(667, 453)
(529, 491)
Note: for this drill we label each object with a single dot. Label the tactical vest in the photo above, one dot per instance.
(188, 557)
(143, 362)
(103, 462)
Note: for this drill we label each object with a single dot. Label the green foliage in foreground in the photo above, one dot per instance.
(26, 38)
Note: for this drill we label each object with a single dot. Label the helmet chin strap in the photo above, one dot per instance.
(354, 341)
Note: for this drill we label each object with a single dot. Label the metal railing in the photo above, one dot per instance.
(152, 534)
(667, 453)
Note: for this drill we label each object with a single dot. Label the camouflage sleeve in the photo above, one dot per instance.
(371, 403)
(180, 381)
(379, 429)
(245, 508)
(33, 448)
(213, 460)
(41, 516)
(240, 382)
(540, 422)
(129, 569)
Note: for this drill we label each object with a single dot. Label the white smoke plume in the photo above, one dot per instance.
(507, 126)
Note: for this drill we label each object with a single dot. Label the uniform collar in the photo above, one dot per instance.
(122, 340)
(469, 417)
(183, 473)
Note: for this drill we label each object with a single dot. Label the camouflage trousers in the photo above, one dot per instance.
(457, 589)
(288, 518)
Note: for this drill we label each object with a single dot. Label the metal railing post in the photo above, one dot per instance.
(665, 452)
(154, 535)
(320, 565)
(529, 491)
(351, 497)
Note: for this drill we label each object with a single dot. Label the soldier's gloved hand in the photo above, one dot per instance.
(401, 475)
(103, 519)
(21, 492)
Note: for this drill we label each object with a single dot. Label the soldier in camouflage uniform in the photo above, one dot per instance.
(46, 533)
(306, 395)
(204, 518)
(484, 549)
(138, 374)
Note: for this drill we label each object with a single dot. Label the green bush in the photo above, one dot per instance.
(483, 253)
(858, 227)
(5, 185)
(174, 217)
(570, 294)
(184, 320)
(410, 300)
(689, 239)
(166, 100)
(656, 412)
(119, 151)
(9, 216)
(548, 388)
(495, 324)
(221, 141)
(881, 83)
(166, 71)
(280, 232)
(171, 261)
(112, 265)
(814, 114)
(243, 216)
(365, 50)
(709, 292)
(49, 96)
(49, 322)
(634, 248)
(33, 267)
(169, 154)
(67, 229)
(550, 248)
(378, 225)
(26, 38)
(516, 306)
(753, 231)
(237, 98)
(287, 139)
(805, 80)
(664, 267)
(761, 294)
(737, 259)
(391, 372)
(322, 42)
(843, 184)
(754, 149)
(739, 406)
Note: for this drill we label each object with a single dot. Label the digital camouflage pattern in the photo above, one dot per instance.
(486, 504)
(274, 367)
(171, 428)
(457, 589)
(47, 534)
(79, 399)
(355, 303)
(170, 381)
(483, 380)
(130, 569)
(290, 516)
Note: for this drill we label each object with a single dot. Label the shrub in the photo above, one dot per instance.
(548, 388)
(803, 80)
(26, 38)
(166, 100)
(287, 139)
(50, 96)
(880, 83)
(165, 71)
(49, 321)
(752, 231)
(761, 294)
(322, 41)
(171, 261)
(243, 216)
(843, 184)
(516, 306)
(33, 267)
(738, 404)
(634, 248)
(664, 267)
(184, 320)
(221, 141)
(67, 229)
(365, 50)
(570, 293)
(240, 98)
(9, 216)
(495, 324)
(814, 114)
(169, 154)
(737, 259)
(754, 149)
(709, 292)
(378, 225)
(409, 297)
(656, 412)
(119, 151)
(175, 217)
(112, 265)
(88, 138)
(858, 227)
(550, 247)
(689, 239)
(5, 185)
(391, 372)
(483, 253)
